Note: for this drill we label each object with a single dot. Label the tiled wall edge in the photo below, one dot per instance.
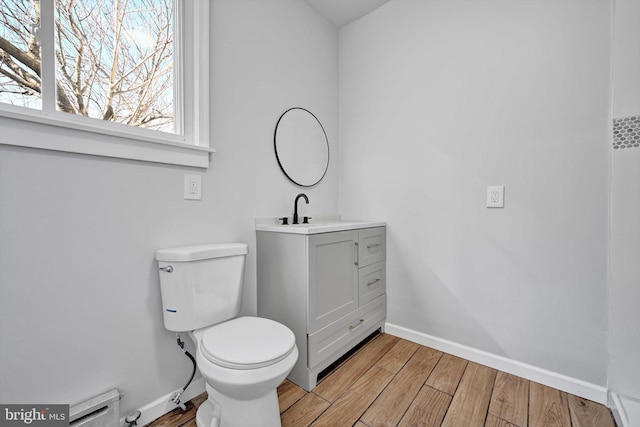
(626, 132)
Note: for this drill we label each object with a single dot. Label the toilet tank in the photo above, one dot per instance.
(201, 285)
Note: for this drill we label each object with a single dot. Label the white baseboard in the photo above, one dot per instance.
(161, 405)
(625, 411)
(617, 409)
(562, 382)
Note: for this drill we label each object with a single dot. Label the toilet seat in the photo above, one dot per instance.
(247, 343)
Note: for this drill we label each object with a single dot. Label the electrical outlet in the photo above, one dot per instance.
(192, 187)
(495, 196)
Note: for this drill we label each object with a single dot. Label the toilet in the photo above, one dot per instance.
(242, 359)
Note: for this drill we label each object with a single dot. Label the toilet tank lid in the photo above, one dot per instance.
(199, 252)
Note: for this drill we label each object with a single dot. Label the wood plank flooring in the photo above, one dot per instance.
(394, 382)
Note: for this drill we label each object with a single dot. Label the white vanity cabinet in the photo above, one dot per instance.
(327, 287)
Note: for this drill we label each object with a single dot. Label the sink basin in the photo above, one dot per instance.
(322, 226)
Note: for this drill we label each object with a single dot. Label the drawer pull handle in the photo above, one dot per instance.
(352, 327)
(373, 245)
(374, 282)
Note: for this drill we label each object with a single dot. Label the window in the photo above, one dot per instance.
(20, 54)
(125, 68)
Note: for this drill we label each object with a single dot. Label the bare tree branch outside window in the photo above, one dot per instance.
(114, 59)
(19, 53)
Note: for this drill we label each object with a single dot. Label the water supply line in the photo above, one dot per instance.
(175, 397)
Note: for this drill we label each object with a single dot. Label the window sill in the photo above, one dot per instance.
(98, 139)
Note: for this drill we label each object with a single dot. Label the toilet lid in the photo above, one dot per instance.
(247, 343)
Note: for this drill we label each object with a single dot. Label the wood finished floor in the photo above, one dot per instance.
(394, 382)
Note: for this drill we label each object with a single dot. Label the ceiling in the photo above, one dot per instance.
(343, 12)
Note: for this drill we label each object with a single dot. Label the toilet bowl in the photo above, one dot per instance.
(242, 359)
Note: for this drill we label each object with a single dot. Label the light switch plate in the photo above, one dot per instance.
(495, 196)
(192, 187)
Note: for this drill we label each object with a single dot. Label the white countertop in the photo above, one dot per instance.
(321, 225)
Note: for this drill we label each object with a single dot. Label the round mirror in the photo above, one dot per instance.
(301, 146)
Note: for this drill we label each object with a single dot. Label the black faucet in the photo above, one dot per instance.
(295, 206)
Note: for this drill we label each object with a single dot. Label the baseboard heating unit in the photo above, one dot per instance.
(101, 411)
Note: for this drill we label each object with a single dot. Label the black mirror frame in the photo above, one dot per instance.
(275, 149)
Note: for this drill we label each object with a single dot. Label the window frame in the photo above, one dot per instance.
(190, 147)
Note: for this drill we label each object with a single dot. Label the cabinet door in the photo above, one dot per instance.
(333, 277)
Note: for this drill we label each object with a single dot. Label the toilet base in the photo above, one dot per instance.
(224, 411)
(208, 414)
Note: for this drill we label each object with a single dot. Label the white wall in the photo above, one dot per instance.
(80, 305)
(624, 368)
(439, 99)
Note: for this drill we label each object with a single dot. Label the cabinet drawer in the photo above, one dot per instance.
(371, 246)
(372, 282)
(338, 335)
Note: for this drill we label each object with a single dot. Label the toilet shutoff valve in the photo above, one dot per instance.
(175, 398)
